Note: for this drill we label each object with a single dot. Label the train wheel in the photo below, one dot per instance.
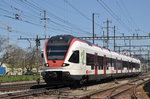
(47, 82)
(75, 84)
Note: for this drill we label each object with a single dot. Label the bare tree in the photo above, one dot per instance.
(3, 50)
(15, 57)
(33, 59)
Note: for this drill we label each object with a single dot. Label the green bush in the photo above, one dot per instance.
(18, 78)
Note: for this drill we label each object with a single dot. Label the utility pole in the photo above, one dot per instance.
(107, 30)
(45, 19)
(37, 50)
(114, 37)
(93, 26)
(37, 40)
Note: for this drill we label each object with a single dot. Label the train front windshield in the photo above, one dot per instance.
(57, 49)
(56, 52)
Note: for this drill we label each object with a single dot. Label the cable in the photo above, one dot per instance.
(23, 15)
(124, 14)
(129, 14)
(66, 1)
(37, 8)
(56, 17)
(113, 15)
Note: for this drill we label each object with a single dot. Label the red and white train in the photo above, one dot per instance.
(70, 59)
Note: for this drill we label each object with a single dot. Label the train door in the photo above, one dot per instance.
(104, 64)
(128, 66)
(95, 64)
(82, 59)
(116, 65)
(121, 65)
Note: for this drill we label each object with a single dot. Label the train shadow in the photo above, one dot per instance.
(147, 89)
(48, 86)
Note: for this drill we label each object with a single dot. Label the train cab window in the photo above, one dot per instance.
(56, 52)
(74, 57)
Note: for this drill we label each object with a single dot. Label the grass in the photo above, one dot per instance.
(18, 78)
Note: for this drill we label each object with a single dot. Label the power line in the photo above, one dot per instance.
(129, 14)
(18, 9)
(33, 23)
(56, 17)
(39, 9)
(124, 14)
(117, 38)
(30, 17)
(18, 16)
(66, 1)
(113, 14)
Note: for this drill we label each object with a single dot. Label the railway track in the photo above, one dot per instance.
(16, 86)
(114, 92)
(100, 91)
(31, 93)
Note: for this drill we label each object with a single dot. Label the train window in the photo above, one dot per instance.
(130, 66)
(114, 63)
(100, 62)
(133, 65)
(90, 59)
(119, 64)
(74, 57)
(137, 66)
(108, 63)
(125, 64)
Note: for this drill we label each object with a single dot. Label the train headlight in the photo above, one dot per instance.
(65, 64)
(46, 64)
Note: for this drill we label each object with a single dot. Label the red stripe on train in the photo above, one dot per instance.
(55, 63)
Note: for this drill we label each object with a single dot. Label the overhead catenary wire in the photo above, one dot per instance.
(81, 13)
(36, 8)
(130, 17)
(116, 17)
(56, 17)
(32, 22)
(28, 15)
(122, 10)
(35, 24)
(22, 16)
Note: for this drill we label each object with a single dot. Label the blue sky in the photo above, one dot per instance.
(73, 17)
